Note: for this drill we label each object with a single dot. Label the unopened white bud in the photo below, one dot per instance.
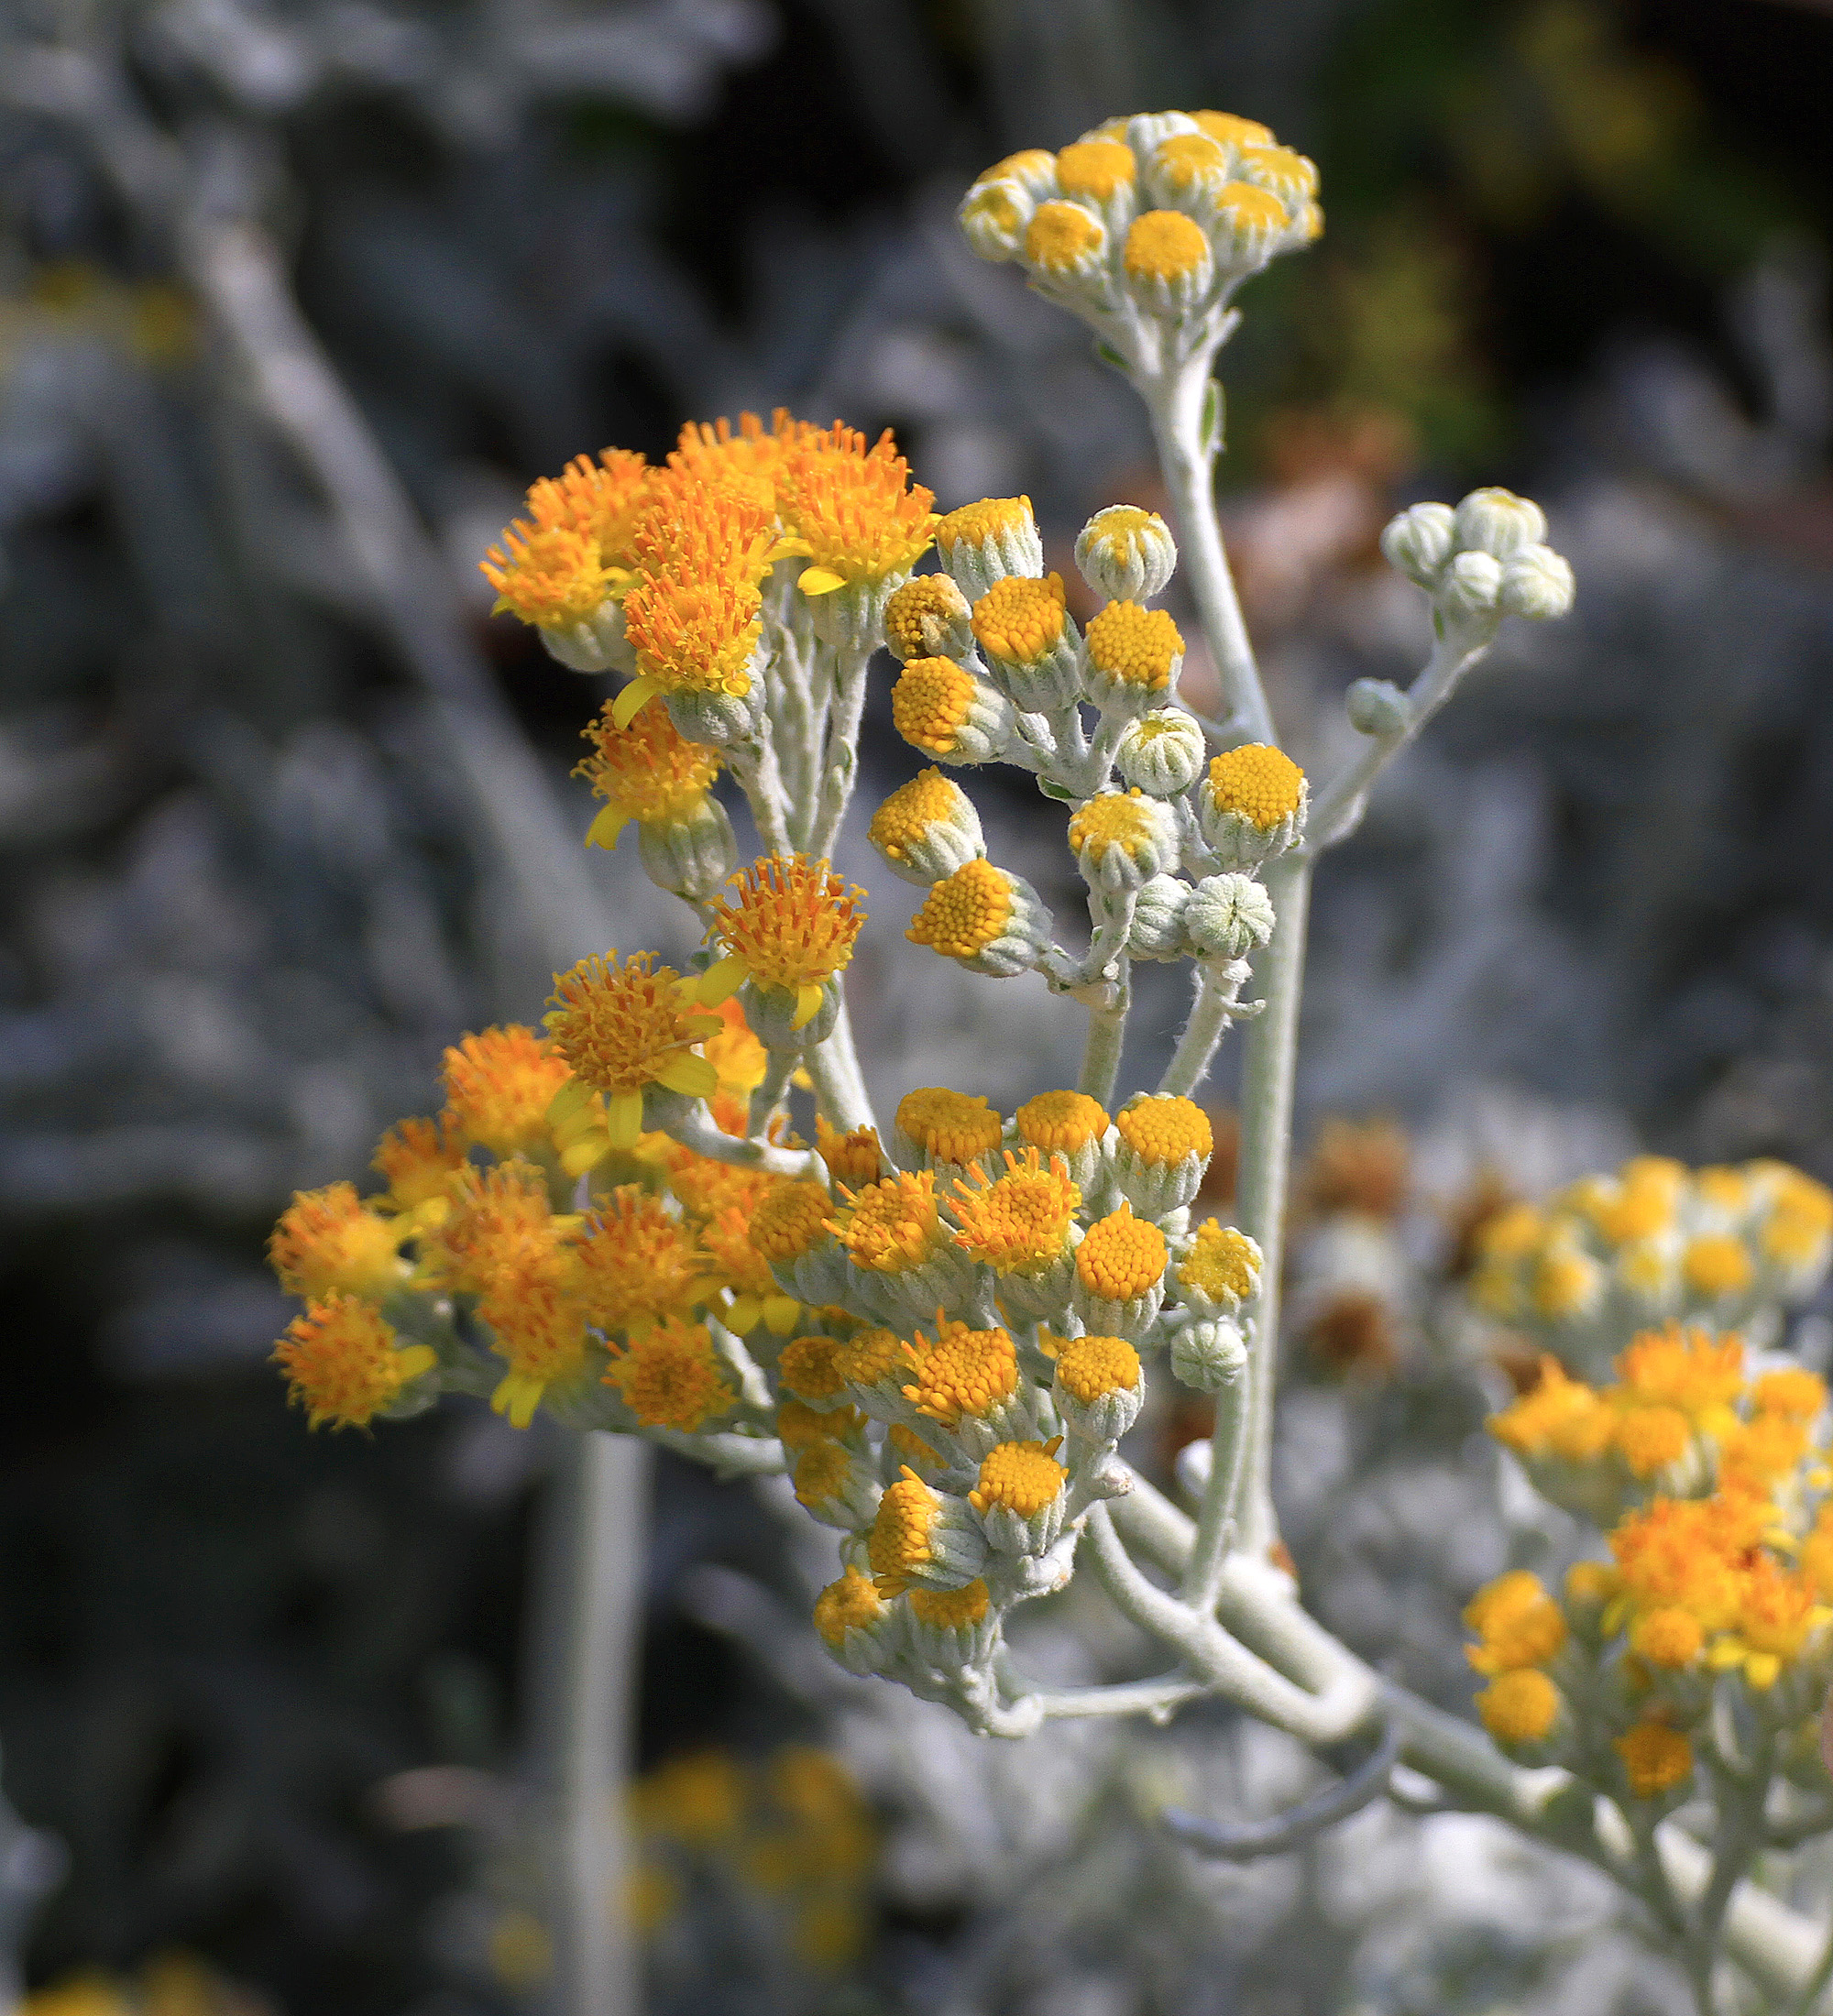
(1470, 585)
(1127, 554)
(1156, 931)
(1499, 523)
(1536, 583)
(1228, 917)
(1209, 1354)
(596, 644)
(692, 854)
(993, 217)
(985, 542)
(1161, 752)
(1377, 707)
(1418, 542)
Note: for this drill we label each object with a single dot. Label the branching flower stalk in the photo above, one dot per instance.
(939, 1330)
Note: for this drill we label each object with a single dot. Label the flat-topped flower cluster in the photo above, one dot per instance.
(1656, 1242)
(1709, 1479)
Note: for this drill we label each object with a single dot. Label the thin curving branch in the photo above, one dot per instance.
(1250, 1840)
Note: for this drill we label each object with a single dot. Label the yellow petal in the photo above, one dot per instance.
(584, 1154)
(606, 828)
(801, 1080)
(807, 1001)
(1762, 1670)
(744, 1315)
(625, 707)
(623, 1119)
(414, 1360)
(518, 1397)
(781, 1314)
(572, 1100)
(722, 979)
(819, 581)
(694, 1076)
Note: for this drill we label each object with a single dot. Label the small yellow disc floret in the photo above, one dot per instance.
(1135, 644)
(791, 921)
(1262, 783)
(623, 1027)
(847, 1605)
(1020, 1223)
(912, 811)
(1655, 1758)
(891, 1227)
(964, 913)
(1222, 1263)
(329, 1242)
(1165, 1130)
(1020, 618)
(1519, 1707)
(949, 1126)
(341, 1361)
(951, 1609)
(1126, 819)
(900, 1534)
(791, 1220)
(1061, 1121)
(1123, 1256)
(963, 1372)
(1022, 1476)
(1094, 169)
(1088, 1368)
(1164, 244)
(806, 1367)
(982, 522)
(672, 1378)
(931, 702)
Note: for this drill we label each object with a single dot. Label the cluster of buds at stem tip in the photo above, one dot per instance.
(1485, 560)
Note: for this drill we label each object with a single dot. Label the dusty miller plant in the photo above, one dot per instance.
(941, 1328)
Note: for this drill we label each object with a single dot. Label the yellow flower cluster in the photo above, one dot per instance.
(1176, 205)
(1655, 1242)
(478, 1207)
(1710, 1486)
(786, 1847)
(684, 549)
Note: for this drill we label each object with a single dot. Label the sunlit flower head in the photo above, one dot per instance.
(623, 1027)
(498, 1087)
(892, 1226)
(550, 575)
(948, 1126)
(790, 924)
(647, 770)
(418, 1158)
(1019, 1223)
(344, 1364)
(672, 1378)
(963, 1372)
(851, 510)
(638, 1262)
(602, 500)
(330, 1242)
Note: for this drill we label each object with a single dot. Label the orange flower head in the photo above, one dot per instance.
(329, 1242)
(1020, 1222)
(550, 575)
(648, 772)
(498, 1086)
(852, 511)
(601, 501)
(418, 1158)
(637, 1261)
(693, 632)
(672, 1378)
(790, 924)
(342, 1362)
(623, 1027)
(963, 1372)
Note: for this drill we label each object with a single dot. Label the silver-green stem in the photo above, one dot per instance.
(1176, 402)
(1229, 1444)
(1217, 1004)
(1107, 1038)
(585, 1663)
(1268, 1059)
(839, 766)
(839, 1084)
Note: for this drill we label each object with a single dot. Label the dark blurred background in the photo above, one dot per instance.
(295, 298)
